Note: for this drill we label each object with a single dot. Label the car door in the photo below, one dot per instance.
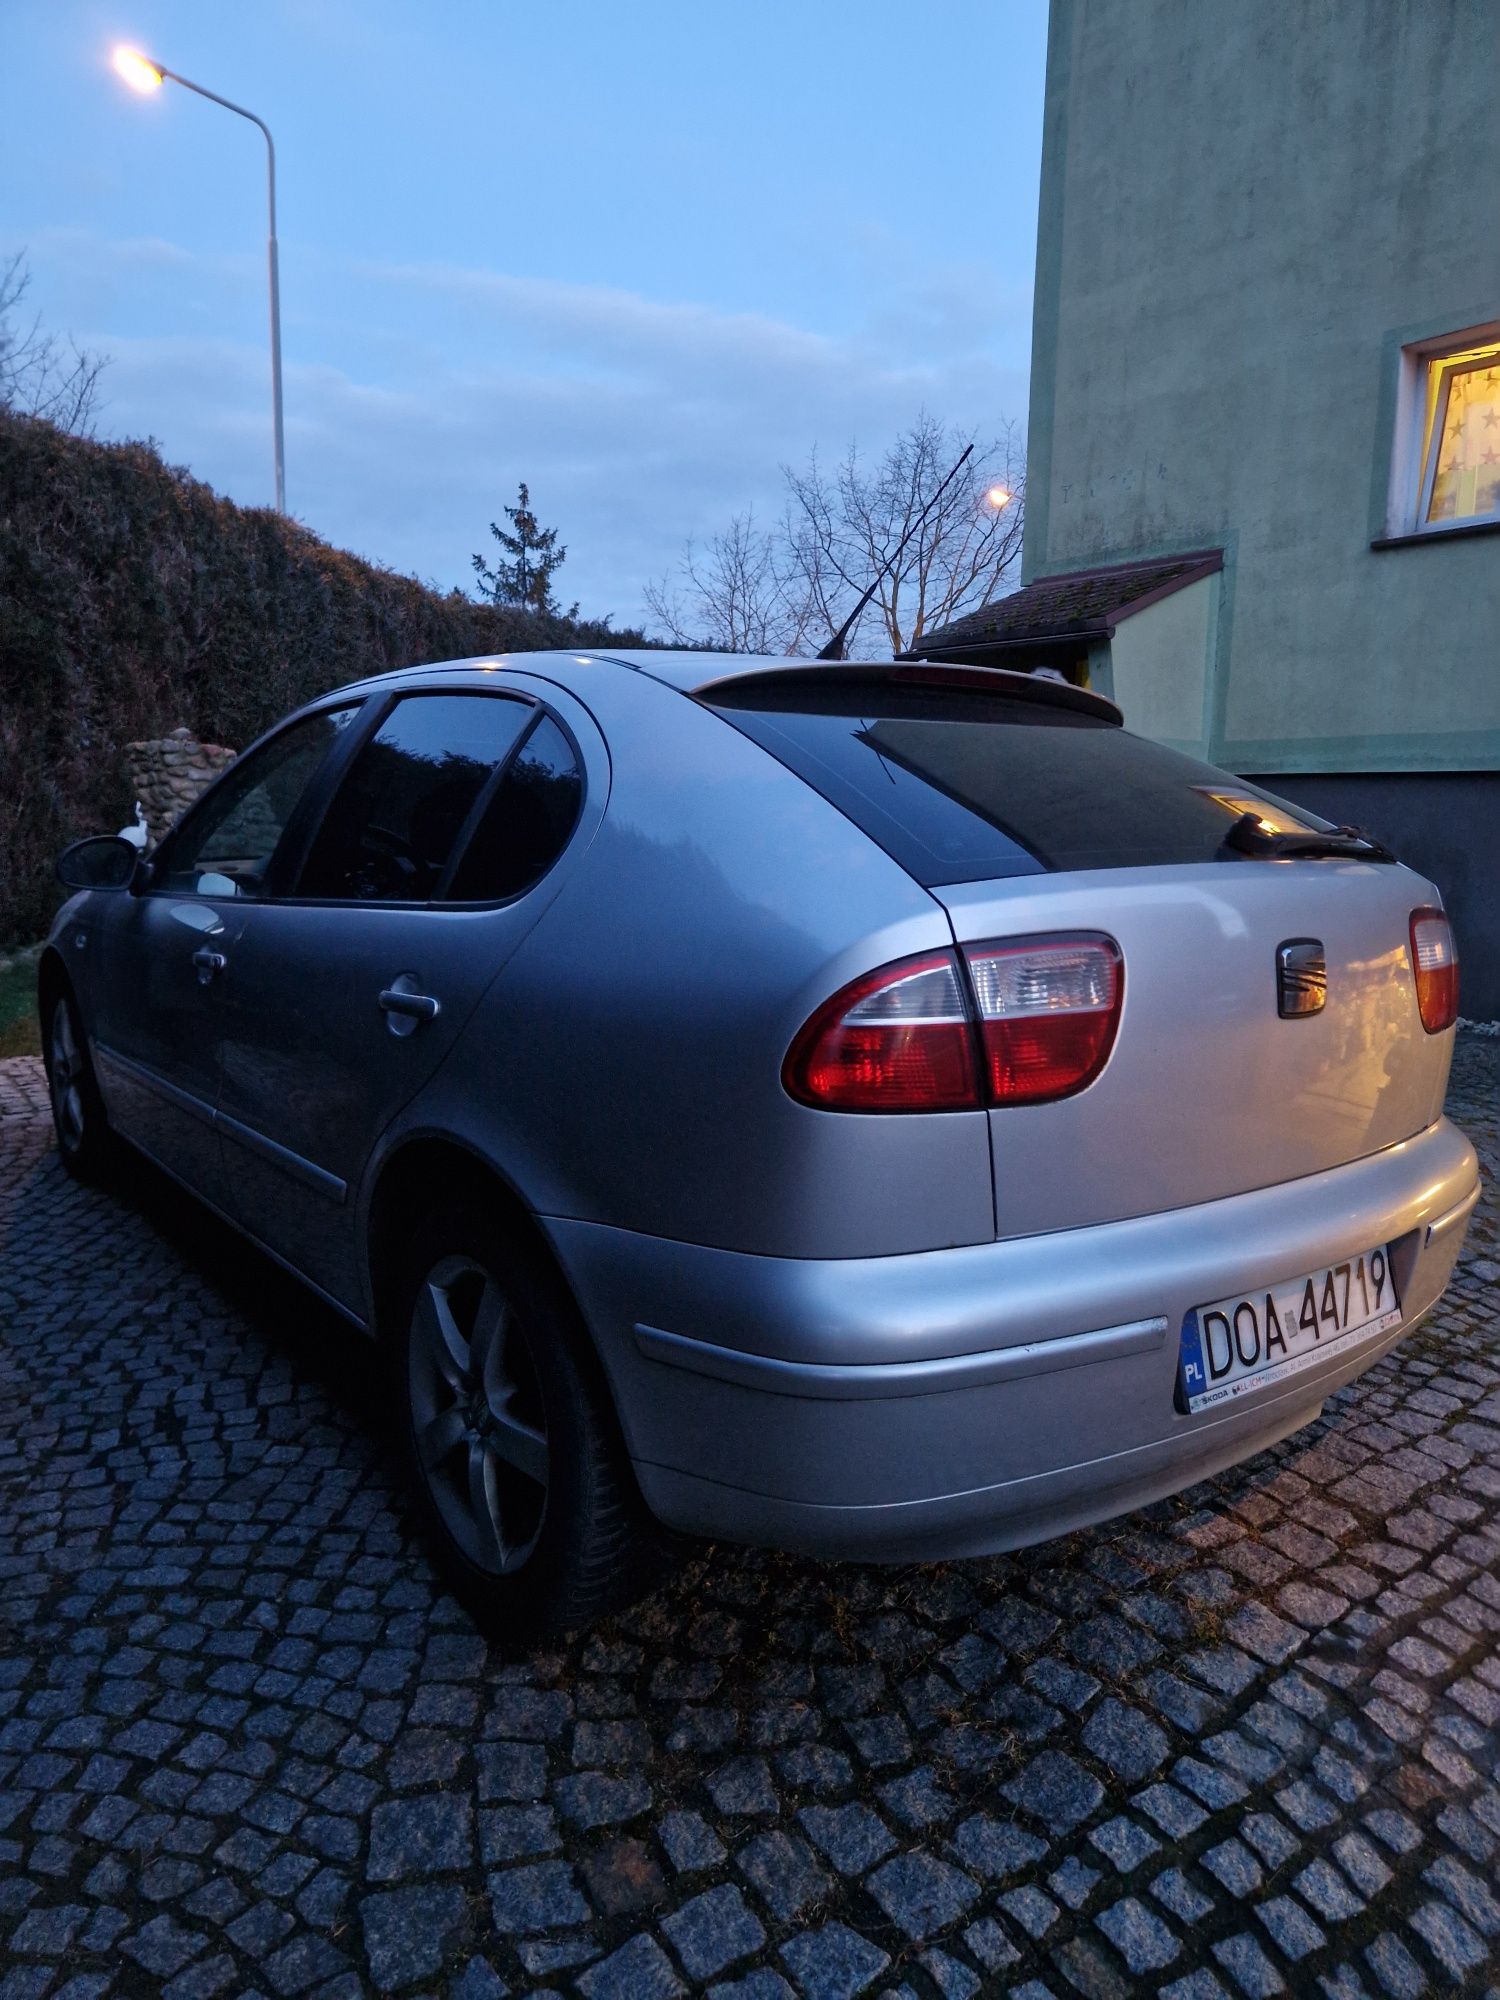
(344, 994)
(165, 948)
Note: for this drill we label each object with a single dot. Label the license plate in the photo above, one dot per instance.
(1235, 1345)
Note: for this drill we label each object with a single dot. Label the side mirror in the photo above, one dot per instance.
(104, 861)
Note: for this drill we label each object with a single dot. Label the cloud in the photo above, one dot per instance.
(418, 395)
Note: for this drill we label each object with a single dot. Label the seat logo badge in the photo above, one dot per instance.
(1301, 977)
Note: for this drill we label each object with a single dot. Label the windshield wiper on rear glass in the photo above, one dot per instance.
(1250, 835)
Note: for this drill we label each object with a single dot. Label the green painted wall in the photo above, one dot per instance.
(1247, 207)
(1159, 665)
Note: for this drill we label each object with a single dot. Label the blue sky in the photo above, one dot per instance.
(637, 255)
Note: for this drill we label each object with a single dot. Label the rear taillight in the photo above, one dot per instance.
(1434, 965)
(897, 1040)
(908, 1037)
(1048, 1011)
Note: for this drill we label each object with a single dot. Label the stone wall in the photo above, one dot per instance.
(168, 772)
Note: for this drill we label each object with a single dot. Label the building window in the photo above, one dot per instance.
(1461, 460)
(1445, 466)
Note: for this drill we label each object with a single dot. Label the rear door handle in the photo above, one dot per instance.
(209, 963)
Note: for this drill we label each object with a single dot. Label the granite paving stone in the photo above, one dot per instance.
(1244, 1742)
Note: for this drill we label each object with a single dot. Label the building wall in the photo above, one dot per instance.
(1248, 208)
(1159, 661)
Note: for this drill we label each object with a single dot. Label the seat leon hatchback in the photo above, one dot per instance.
(887, 1111)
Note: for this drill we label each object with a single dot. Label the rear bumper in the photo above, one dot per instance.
(959, 1401)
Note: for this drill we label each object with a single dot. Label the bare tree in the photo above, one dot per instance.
(936, 555)
(41, 376)
(847, 528)
(740, 592)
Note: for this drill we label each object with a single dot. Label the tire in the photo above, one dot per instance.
(85, 1144)
(510, 1441)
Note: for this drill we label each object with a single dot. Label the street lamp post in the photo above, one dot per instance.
(144, 74)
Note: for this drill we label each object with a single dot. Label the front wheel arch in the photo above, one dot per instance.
(51, 980)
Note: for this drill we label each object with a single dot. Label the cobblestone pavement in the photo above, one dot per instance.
(1246, 1742)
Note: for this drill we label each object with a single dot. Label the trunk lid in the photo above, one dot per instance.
(1025, 808)
(1209, 1091)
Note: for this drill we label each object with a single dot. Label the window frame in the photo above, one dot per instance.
(1413, 460)
(1450, 371)
(322, 793)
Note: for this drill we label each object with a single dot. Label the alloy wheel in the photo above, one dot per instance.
(477, 1417)
(65, 1076)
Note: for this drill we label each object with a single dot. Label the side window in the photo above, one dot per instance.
(397, 816)
(225, 845)
(526, 824)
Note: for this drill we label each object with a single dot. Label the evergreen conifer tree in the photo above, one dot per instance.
(525, 579)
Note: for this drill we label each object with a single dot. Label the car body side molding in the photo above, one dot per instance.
(307, 1171)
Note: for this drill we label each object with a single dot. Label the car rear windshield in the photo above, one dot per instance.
(962, 787)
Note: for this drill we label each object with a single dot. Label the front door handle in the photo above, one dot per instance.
(405, 1008)
(209, 963)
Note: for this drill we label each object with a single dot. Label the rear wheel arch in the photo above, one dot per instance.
(434, 1198)
(424, 1172)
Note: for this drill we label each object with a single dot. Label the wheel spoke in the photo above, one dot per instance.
(482, 1507)
(487, 1342)
(476, 1412)
(445, 1344)
(520, 1447)
(438, 1437)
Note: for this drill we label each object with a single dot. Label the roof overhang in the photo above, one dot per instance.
(1116, 591)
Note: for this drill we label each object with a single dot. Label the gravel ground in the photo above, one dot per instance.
(1246, 1742)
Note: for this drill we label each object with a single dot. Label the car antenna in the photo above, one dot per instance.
(834, 650)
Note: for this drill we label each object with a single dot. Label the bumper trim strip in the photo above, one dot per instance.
(833, 1382)
(1460, 1212)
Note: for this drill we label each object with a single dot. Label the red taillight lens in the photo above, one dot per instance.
(1048, 1012)
(897, 1040)
(1434, 965)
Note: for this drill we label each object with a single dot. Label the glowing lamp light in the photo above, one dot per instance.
(998, 497)
(137, 70)
(144, 75)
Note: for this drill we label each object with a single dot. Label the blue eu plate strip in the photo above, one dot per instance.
(1191, 1372)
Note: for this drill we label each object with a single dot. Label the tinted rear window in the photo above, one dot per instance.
(968, 788)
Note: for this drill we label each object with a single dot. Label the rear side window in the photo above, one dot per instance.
(527, 822)
(397, 817)
(961, 787)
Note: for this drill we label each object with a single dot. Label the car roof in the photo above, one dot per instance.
(705, 673)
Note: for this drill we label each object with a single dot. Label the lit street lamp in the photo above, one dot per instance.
(145, 75)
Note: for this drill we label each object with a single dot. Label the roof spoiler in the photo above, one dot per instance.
(1005, 681)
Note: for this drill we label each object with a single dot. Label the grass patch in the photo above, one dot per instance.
(18, 1026)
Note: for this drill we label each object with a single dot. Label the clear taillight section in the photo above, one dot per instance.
(1434, 964)
(1025, 1021)
(897, 1040)
(1048, 1011)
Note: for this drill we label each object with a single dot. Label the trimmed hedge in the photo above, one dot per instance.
(133, 598)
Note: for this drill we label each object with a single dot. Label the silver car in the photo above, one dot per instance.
(886, 1111)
